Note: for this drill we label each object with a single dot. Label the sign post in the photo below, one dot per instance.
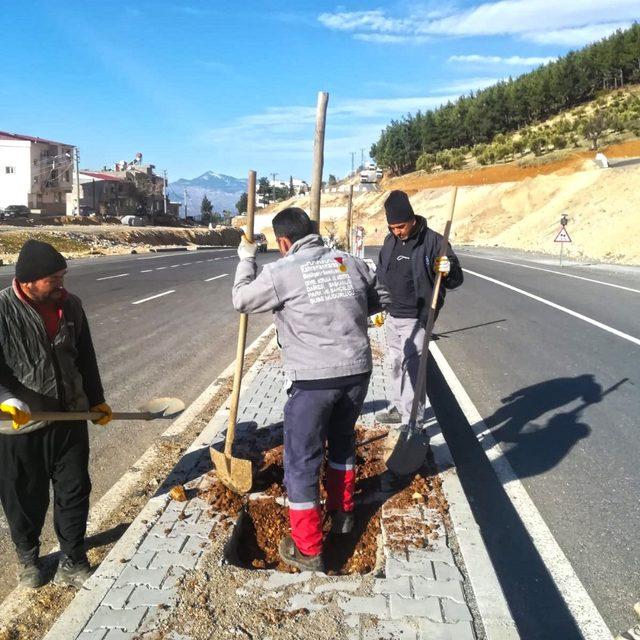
(563, 235)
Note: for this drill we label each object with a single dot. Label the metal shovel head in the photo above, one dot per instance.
(235, 473)
(163, 407)
(405, 450)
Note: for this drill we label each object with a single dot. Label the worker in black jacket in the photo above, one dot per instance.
(47, 363)
(407, 267)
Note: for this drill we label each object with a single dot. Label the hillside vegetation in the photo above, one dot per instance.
(503, 121)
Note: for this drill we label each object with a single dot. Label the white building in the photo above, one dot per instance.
(35, 172)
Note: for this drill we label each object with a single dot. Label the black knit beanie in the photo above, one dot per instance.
(398, 208)
(38, 260)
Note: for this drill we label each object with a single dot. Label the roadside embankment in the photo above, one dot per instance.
(80, 241)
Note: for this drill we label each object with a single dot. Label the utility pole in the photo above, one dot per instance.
(77, 157)
(353, 155)
(349, 220)
(318, 157)
(185, 203)
(164, 191)
(273, 186)
(362, 157)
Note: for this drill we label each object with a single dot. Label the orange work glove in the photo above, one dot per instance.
(102, 408)
(18, 410)
(442, 266)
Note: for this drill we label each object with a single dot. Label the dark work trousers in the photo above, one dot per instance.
(29, 462)
(311, 417)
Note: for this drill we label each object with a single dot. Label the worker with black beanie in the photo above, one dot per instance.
(407, 266)
(47, 363)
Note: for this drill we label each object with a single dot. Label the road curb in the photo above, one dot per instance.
(18, 599)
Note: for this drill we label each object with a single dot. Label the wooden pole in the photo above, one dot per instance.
(349, 219)
(318, 157)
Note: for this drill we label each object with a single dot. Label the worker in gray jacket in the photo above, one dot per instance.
(321, 299)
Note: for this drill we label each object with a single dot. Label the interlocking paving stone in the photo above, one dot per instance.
(117, 597)
(167, 559)
(93, 635)
(124, 619)
(445, 571)
(400, 586)
(154, 543)
(133, 576)
(437, 631)
(146, 597)
(415, 607)
(118, 634)
(440, 588)
(304, 601)
(455, 611)
(396, 567)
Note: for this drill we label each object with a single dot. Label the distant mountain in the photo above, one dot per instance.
(222, 190)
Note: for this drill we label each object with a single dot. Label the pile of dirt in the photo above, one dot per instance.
(264, 521)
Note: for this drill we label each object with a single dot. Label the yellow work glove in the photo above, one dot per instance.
(378, 319)
(18, 410)
(102, 408)
(443, 266)
(247, 249)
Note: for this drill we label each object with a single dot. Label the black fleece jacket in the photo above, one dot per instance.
(426, 247)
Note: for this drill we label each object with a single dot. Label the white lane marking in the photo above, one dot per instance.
(212, 259)
(173, 266)
(578, 601)
(146, 271)
(199, 261)
(559, 273)
(158, 295)
(160, 268)
(184, 264)
(570, 312)
(216, 277)
(120, 275)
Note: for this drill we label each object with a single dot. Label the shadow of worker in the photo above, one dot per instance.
(535, 447)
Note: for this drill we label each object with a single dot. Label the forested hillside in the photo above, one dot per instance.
(477, 125)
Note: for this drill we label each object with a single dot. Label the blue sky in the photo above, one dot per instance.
(229, 86)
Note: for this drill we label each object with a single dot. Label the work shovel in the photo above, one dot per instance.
(406, 446)
(237, 473)
(151, 410)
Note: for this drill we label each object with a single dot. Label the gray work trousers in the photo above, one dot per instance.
(405, 337)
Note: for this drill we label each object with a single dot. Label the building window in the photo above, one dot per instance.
(9, 169)
(67, 176)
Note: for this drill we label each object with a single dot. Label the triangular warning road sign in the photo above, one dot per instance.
(562, 236)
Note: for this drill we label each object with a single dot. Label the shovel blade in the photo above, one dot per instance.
(235, 473)
(405, 450)
(163, 407)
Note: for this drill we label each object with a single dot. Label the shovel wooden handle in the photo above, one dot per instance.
(60, 416)
(242, 329)
(421, 383)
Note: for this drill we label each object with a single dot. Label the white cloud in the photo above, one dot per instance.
(572, 22)
(512, 61)
(387, 38)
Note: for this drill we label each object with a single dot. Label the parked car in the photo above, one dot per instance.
(133, 221)
(16, 211)
(261, 240)
(86, 210)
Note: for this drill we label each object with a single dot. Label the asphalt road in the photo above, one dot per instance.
(561, 398)
(172, 345)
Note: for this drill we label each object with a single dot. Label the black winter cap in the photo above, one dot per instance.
(38, 260)
(398, 208)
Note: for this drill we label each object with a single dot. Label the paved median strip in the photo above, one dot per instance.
(120, 275)
(216, 277)
(158, 295)
(570, 312)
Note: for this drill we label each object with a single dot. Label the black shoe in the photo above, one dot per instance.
(72, 573)
(342, 522)
(291, 555)
(389, 417)
(30, 573)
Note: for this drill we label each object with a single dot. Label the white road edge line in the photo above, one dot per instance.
(173, 266)
(216, 277)
(160, 268)
(120, 275)
(146, 271)
(158, 295)
(559, 273)
(570, 312)
(578, 601)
